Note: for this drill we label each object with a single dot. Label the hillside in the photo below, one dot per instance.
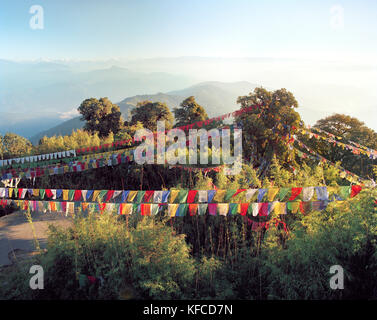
(33, 90)
(216, 97)
(62, 129)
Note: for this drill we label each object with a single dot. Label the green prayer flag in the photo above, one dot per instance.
(42, 193)
(140, 196)
(71, 194)
(101, 195)
(202, 208)
(233, 207)
(182, 196)
(229, 194)
(182, 210)
(136, 208)
(283, 192)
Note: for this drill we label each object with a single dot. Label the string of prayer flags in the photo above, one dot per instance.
(35, 158)
(343, 172)
(197, 124)
(82, 164)
(356, 149)
(321, 193)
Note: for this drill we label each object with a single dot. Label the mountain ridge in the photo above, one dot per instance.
(215, 96)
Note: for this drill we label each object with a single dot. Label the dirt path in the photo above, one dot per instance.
(16, 233)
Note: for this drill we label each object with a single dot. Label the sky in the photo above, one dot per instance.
(324, 51)
(92, 29)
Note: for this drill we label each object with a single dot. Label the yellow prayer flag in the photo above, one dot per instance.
(271, 193)
(295, 206)
(219, 196)
(95, 195)
(172, 209)
(126, 208)
(131, 196)
(173, 195)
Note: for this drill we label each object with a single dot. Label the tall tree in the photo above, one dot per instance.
(188, 112)
(349, 129)
(148, 113)
(101, 116)
(14, 145)
(267, 128)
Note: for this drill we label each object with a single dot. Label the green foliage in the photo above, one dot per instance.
(101, 116)
(350, 129)
(189, 112)
(337, 236)
(264, 128)
(146, 261)
(13, 145)
(148, 113)
(78, 139)
(208, 257)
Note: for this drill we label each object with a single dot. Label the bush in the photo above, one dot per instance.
(143, 262)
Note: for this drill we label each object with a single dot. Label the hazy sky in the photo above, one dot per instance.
(326, 51)
(91, 29)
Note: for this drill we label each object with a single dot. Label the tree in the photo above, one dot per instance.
(101, 116)
(266, 129)
(190, 111)
(77, 139)
(348, 129)
(14, 145)
(148, 113)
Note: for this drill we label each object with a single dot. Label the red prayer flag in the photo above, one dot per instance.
(295, 193)
(148, 195)
(238, 192)
(355, 189)
(145, 209)
(48, 193)
(77, 196)
(244, 207)
(263, 209)
(191, 196)
(109, 195)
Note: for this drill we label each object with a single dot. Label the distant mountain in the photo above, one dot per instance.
(43, 88)
(216, 97)
(62, 129)
(126, 105)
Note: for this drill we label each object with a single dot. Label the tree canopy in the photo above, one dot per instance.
(348, 129)
(148, 113)
(101, 116)
(13, 145)
(188, 112)
(266, 129)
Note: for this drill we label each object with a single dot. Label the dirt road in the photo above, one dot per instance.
(16, 233)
